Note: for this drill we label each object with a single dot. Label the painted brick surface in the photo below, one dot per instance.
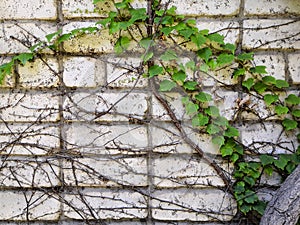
(83, 139)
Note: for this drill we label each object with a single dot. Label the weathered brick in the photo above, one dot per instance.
(107, 204)
(14, 205)
(83, 72)
(279, 142)
(36, 106)
(275, 64)
(294, 67)
(22, 32)
(166, 139)
(207, 8)
(106, 172)
(267, 7)
(98, 42)
(39, 74)
(29, 173)
(86, 106)
(103, 139)
(180, 204)
(28, 9)
(226, 102)
(28, 139)
(265, 34)
(120, 73)
(183, 170)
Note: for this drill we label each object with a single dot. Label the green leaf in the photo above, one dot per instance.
(204, 53)
(220, 121)
(296, 112)
(96, 1)
(231, 132)
(114, 27)
(212, 63)
(213, 129)
(24, 57)
(234, 157)
(186, 33)
(138, 14)
(212, 111)
(281, 162)
(169, 55)
(268, 170)
(147, 56)
(191, 108)
(64, 37)
(259, 70)
(266, 159)
(199, 120)
(104, 22)
(269, 80)
(282, 84)
(190, 85)
(5, 69)
(203, 97)
(122, 44)
(185, 100)
(269, 99)
(239, 187)
(230, 47)
(191, 22)
(49, 37)
(167, 30)
(204, 68)
(226, 150)
(280, 110)
(121, 5)
(248, 83)
(245, 208)
(289, 124)
(198, 39)
(251, 196)
(179, 76)
(239, 72)
(146, 43)
(166, 85)
(260, 207)
(216, 38)
(155, 70)
(245, 56)
(218, 140)
(191, 65)
(260, 87)
(250, 181)
(292, 100)
(225, 59)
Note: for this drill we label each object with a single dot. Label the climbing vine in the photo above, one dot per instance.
(162, 37)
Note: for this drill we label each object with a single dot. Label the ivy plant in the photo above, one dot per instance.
(144, 30)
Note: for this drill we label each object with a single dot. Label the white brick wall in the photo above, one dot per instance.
(66, 160)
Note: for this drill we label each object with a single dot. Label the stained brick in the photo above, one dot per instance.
(271, 8)
(294, 67)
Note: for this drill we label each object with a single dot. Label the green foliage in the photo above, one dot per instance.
(211, 53)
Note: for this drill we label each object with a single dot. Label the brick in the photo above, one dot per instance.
(85, 106)
(265, 34)
(13, 206)
(37, 106)
(180, 204)
(166, 139)
(119, 74)
(105, 139)
(38, 30)
(294, 67)
(83, 72)
(183, 170)
(37, 74)
(275, 64)
(279, 142)
(226, 102)
(207, 8)
(28, 139)
(28, 9)
(79, 9)
(99, 42)
(108, 204)
(29, 173)
(93, 172)
(267, 7)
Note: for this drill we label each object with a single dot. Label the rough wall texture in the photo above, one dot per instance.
(64, 162)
